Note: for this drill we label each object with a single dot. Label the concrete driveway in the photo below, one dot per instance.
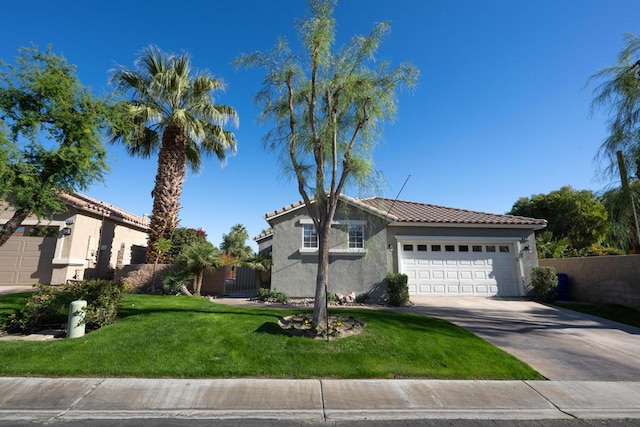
(560, 344)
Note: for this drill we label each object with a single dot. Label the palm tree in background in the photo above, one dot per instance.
(199, 258)
(171, 112)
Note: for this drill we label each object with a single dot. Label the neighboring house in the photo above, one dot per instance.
(89, 240)
(443, 251)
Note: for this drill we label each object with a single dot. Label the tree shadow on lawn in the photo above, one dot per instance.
(125, 312)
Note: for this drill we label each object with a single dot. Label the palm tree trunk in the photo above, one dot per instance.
(12, 225)
(172, 169)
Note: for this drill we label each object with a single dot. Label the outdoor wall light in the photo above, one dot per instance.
(66, 231)
(390, 248)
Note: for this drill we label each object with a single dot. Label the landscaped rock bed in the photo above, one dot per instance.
(338, 327)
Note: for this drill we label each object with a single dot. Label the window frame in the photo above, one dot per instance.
(355, 242)
(309, 234)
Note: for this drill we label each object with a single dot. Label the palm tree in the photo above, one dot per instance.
(198, 258)
(233, 244)
(171, 112)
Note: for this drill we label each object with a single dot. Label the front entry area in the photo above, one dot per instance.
(464, 268)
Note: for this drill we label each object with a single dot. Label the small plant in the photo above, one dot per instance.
(176, 282)
(545, 282)
(272, 295)
(331, 297)
(397, 289)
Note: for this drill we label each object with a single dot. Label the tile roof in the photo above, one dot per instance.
(413, 212)
(84, 202)
(401, 211)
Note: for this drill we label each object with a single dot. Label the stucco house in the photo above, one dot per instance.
(89, 240)
(443, 251)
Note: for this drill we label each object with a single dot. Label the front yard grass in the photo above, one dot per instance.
(185, 337)
(617, 313)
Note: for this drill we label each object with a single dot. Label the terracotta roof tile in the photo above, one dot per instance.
(404, 211)
(84, 202)
(413, 212)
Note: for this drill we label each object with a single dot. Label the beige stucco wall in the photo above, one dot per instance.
(91, 249)
(605, 279)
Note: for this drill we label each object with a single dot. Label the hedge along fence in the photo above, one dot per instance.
(602, 279)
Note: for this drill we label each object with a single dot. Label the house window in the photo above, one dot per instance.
(422, 248)
(407, 248)
(436, 248)
(491, 248)
(356, 236)
(309, 236)
(463, 248)
(477, 248)
(504, 249)
(449, 248)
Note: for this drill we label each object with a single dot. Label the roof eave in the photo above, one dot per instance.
(466, 225)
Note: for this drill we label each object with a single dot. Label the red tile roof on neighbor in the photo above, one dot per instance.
(401, 211)
(84, 202)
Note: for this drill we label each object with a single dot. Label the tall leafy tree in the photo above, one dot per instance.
(50, 135)
(234, 243)
(171, 113)
(577, 216)
(327, 107)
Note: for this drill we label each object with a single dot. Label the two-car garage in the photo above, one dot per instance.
(482, 268)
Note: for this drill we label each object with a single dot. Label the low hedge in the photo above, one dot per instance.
(48, 307)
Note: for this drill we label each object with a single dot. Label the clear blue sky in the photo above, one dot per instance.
(501, 111)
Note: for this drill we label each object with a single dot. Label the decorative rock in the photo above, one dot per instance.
(351, 298)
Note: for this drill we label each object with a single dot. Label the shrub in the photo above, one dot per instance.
(545, 282)
(49, 306)
(397, 289)
(175, 280)
(272, 295)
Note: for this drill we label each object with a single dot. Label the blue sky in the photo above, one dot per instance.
(501, 111)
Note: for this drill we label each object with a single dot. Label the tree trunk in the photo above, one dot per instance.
(12, 225)
(172, 168)
(320, 315)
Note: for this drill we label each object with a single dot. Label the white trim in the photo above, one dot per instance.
(59, 224)
(314, 251)
(68, 261)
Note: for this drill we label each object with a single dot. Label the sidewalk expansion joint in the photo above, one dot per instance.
(75, 402)
(324, 409)
(551, 402)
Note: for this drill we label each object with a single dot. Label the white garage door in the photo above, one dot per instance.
(485, 269)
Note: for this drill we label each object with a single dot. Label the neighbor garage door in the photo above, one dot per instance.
(443, 268)
(26, 260)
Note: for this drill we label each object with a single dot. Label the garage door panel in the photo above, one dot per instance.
(480, 271)
(26, 260)
(9, 261)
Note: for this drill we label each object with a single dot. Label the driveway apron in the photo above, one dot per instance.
(560, 344)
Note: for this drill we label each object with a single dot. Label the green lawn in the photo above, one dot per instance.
(183, 337)
(617, 313)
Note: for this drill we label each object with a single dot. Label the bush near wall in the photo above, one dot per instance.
(545, 283)
(48, 307)
(397, 289)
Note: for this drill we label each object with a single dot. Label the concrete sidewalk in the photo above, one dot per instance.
(69, 399)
